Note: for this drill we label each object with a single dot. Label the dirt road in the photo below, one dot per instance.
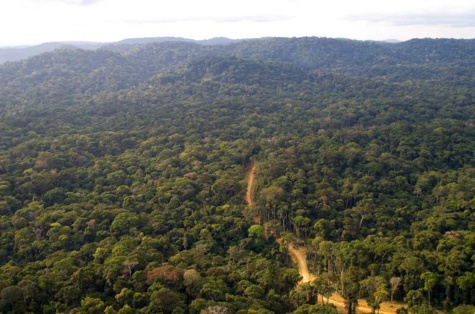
(299, 257)
(251, 188)
(363, 307)
(251, 184)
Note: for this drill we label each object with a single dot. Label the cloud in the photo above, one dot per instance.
(429, 19)
(82, 2)
(215, 19)
(75, 2)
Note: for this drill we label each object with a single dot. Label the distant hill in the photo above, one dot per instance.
(71, 71)
(22, 52)
(18, 53)
(294, 48)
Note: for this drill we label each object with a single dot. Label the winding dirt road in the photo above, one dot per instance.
(299, 257)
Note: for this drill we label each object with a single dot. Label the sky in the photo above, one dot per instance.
(27, 22)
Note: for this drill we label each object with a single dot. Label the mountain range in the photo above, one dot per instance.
(9, 54)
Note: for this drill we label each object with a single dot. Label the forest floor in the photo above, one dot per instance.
(299, 256)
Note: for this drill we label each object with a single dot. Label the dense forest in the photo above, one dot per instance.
(122, 177)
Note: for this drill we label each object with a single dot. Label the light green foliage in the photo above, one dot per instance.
(464, 309)
(256, 231)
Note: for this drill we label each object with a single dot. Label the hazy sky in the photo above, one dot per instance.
(37, 21)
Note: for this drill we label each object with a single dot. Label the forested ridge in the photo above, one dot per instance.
(122, 177)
